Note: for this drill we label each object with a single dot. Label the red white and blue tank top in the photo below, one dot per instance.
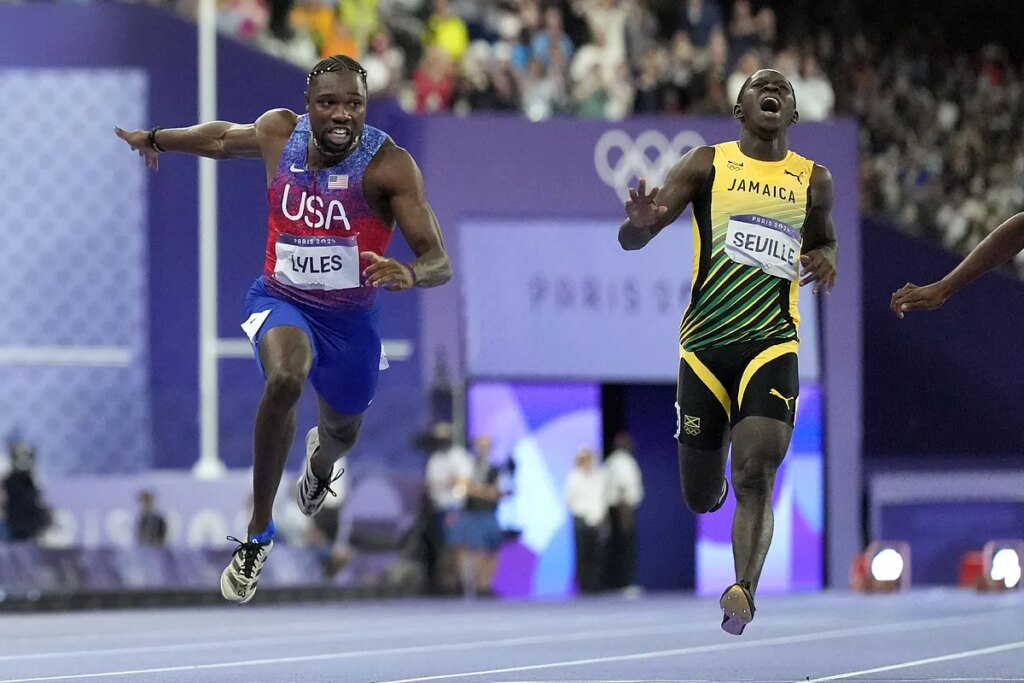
(318, 224)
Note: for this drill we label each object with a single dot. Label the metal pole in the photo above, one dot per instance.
(209, 465)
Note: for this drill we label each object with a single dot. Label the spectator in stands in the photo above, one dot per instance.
(434, 82)
(594, 54)
(680, 75)
(624, 491)
(651, 83)
(608, 17)
(552, 41)
(714, 98)
(447, 31)
(590, 96)
(585, 496)
(700, 19)
(544, 91)
(151, 526)
(384, 64)
(816, 98)
(280, 24)
(745, 67)
(743, 28)
(360, 19)
(505, 93)
(641, 30)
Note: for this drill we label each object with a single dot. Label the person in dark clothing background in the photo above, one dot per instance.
(151, 528)
(27, 516)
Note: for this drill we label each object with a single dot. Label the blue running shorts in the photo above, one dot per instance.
(347, 354)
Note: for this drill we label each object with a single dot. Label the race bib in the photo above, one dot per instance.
(317, 262)
(765, 243)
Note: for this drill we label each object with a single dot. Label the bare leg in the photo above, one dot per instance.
(286, 356)
(488, 567)
(702, 475)
(758, 446)
(338, 434)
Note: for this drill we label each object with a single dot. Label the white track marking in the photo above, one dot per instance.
(700, 649)
(417, 649)
(922, 662)
(327, 637)
(307, 627)
(310, 635)
(939, 622)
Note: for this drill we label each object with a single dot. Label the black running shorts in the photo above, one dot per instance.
(718, 387)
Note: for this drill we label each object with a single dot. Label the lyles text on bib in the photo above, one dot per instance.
(324, 263)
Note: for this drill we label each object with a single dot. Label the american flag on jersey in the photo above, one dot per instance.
(337, 182)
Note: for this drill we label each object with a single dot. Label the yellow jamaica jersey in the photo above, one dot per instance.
(747, 228)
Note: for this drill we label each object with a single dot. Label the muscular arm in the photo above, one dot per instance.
(401, 183)
(682, 185)
(1000, 246)
(1003, 244)
(820, 250)
(217, 139)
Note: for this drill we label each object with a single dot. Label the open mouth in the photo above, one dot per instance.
(339, 135)
(771, 104)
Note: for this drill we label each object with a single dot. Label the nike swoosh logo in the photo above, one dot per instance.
(297, 170)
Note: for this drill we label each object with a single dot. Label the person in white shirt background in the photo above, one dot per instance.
(449, 466)
(585, 497)
(624, 490)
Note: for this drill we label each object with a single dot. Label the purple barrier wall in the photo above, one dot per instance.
(942, 383)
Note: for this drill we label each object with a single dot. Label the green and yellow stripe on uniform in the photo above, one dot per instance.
(731, 302)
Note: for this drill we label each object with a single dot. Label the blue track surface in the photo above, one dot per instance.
(920, 636)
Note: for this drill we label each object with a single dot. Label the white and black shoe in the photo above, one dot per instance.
(313, 490)
(239, 579)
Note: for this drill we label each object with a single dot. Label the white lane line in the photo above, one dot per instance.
(102, 356)
(343, 638)
(922, 662)
(418, 649)
(700, 649)
(471, 626)
(939, 622)
(642, 627)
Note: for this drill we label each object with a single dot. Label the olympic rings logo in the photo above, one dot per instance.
(619, 159)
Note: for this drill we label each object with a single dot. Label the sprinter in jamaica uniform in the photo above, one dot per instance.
(762, 228)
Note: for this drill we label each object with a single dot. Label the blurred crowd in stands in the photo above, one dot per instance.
(940, 155)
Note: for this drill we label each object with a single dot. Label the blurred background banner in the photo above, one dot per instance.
(74, 349)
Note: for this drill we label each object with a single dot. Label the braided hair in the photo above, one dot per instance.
(335, 64)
